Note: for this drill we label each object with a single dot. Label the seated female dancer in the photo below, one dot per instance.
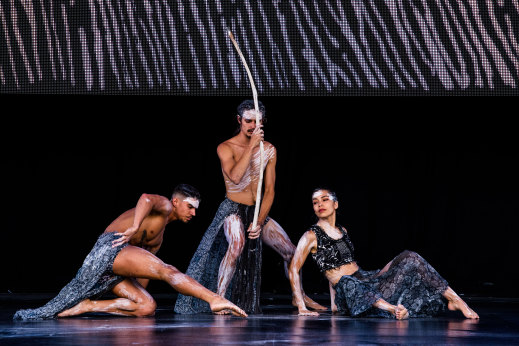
(406, 287)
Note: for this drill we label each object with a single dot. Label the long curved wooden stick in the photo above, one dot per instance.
(255, 97)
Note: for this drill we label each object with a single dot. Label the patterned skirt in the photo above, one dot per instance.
(244, 289)
(94, 278)
(409, 281)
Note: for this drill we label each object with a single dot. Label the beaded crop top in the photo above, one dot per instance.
(332, 253)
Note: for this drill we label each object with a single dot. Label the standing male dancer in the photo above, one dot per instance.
(126, 269)
(218, 262)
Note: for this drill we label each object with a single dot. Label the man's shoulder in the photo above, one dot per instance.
(225, 145)
(269, 145)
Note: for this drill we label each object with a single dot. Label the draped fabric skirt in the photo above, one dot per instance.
(244, 289)
(410, 280)
(94, 278)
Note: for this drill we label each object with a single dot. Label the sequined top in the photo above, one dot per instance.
(332, 253)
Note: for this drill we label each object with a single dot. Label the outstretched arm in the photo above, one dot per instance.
(305, 245)
(146, 204)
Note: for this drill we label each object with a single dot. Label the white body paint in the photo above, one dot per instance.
(179, 279)
(235, 235)
(252, 173)
(332, 231)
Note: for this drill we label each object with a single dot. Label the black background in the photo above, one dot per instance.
(437, 175)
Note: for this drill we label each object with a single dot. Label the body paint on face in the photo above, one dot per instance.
(193, 201)
(321, 193)
(251, 115)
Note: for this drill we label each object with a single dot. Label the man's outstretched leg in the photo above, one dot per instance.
(275, 237)
(136, 262)
(133, 300)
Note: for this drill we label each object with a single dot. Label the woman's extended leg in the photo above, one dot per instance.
(412, 264)
(456, 303)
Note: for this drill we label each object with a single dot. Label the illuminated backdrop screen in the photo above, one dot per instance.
(319, 47)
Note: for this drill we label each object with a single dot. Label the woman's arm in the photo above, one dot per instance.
(305, 245)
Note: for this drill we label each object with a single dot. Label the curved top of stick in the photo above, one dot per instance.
(251, 80)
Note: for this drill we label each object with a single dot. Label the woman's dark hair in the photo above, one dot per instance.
(186, 191)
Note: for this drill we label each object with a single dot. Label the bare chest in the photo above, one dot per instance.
(252, 172)
(150, 234)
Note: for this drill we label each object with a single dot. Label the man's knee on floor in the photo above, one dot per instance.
(146, 308)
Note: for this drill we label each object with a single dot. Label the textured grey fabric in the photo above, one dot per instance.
(93, 278)
(244, 289)
(410, 281)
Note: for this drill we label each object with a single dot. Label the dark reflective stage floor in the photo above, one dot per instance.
(278, 325)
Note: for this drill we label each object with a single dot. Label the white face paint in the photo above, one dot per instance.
(251, 115)
(193, 201)
(317, 194)
(322, 193)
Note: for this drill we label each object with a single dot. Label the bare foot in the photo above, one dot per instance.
(76, 310)
(306, 312)
(401, 312)
(458, 304)
(310, 303)
(224, 306)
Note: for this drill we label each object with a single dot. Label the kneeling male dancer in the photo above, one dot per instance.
(123, 260)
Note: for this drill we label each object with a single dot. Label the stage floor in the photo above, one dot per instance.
(279, 324)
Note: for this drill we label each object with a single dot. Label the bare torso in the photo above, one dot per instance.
(245, 191)
(335, 274)
(150, 234)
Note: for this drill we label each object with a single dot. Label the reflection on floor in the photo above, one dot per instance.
(277, 325)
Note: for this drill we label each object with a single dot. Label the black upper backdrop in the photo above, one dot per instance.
(425, 174)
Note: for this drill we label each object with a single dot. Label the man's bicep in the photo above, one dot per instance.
(226, 158)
